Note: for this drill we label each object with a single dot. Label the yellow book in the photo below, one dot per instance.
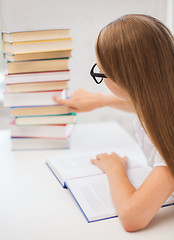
(37, 66)
(37, 56)
(36, 35)
(38, 46)
(40, 110)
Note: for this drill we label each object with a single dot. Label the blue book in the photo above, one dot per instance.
(89, 185)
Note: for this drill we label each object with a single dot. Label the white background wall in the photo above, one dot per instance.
(85, 18)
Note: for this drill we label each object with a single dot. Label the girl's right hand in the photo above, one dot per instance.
(82, 101)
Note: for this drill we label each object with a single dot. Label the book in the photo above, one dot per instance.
(35, 35)
(40, 110)
(89, 185)
(19, 143)
(47, 120)
(37, 56)
(37, 77)
(37, 86)
(33, 98)
(38, 46)
(48, 131)
(37, 66)
(36, 70)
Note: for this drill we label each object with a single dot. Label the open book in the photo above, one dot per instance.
(89, 185)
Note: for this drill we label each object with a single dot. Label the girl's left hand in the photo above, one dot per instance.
(110, 162)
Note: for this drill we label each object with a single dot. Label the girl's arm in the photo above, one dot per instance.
(136, 208)
(84, 101)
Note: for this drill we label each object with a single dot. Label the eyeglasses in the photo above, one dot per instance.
(96, 74)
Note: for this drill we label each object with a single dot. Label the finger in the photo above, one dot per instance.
(100, 155)
(118, 156)
(71, 109)
(62, 101)
(114, 153)
(58, 100)
(93, 161)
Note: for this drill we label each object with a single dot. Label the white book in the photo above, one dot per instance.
(32, 98)
(89, 185)
(45, 131)
(37, 77)
(39, 143)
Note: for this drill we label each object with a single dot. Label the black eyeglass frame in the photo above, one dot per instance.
(94, 75)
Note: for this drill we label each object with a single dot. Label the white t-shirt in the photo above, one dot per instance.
(152, 155)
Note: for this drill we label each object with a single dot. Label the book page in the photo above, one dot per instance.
(74, 166)
(93, 196)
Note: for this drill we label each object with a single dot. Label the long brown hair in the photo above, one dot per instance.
(137, 53)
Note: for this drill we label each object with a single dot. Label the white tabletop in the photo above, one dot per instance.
(33, 205)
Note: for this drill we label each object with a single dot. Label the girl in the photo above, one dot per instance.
(135, 55)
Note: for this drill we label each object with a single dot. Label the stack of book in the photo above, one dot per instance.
(36, 71)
